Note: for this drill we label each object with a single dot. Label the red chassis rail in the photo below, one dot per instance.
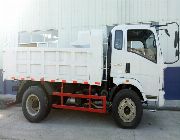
(89, 97)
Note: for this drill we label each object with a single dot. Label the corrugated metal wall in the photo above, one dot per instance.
(69, 16)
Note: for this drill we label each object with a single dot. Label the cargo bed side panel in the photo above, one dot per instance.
(56, 64)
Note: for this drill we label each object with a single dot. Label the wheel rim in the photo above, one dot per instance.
(127, 110)
(33, 105)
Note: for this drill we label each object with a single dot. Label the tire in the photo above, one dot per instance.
(35, 104)
(49, 105)
(127, 109)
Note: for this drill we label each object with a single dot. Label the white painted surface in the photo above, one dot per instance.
(144, 74)
(57, 64)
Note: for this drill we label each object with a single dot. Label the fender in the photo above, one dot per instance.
(24, 85)
(130, 81)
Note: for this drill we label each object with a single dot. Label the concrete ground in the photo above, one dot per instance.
(75, 125)
(7, 100)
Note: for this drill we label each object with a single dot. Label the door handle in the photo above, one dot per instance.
(127, 68)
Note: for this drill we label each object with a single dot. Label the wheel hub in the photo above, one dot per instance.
(33, 105)
(127, 110)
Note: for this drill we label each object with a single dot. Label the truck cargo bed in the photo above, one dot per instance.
(72, 65)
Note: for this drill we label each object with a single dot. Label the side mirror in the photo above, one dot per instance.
(166, 31)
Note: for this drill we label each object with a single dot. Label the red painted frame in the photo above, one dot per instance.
(88, 109)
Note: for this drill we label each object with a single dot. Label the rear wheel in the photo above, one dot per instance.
(35, 104)
(127, 109)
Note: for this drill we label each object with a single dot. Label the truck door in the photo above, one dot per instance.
(137, 58)
(143, 51)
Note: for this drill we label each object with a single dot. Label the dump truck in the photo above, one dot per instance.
(115, 69)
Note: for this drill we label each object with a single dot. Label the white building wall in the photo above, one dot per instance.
(70, 16)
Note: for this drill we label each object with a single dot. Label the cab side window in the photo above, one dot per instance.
(118, 42)
(142, 42)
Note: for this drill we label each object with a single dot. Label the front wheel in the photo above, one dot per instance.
(35, 104)
(127, 109)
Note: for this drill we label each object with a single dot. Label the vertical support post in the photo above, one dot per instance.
(104, 104)
(90, 94)
(62, 88)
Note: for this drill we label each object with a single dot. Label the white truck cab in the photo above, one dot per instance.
(137, 59)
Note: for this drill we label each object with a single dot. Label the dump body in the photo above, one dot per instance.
(74, 65)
